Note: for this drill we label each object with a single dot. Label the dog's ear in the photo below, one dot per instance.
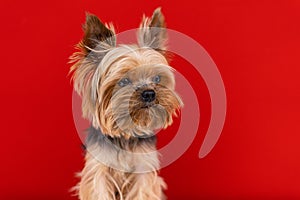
(96, 32)
(98, 39)
(152, 32)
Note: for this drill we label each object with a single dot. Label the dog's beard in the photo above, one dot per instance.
(133, 117)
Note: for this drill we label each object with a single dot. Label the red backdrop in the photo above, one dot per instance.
(256, 47)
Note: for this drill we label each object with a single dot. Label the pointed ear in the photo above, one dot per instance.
(152, 32)
(98, 39)
(95, 32)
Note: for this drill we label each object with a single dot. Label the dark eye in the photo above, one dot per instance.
(156, 79)
(123, 82)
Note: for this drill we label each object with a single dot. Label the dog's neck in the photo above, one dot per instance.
(96, 136)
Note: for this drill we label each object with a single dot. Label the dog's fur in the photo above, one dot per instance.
(121, 158)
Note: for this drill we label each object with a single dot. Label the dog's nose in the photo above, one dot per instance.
(148, 95)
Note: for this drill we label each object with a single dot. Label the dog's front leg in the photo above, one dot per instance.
(96, 182)
(146, 186)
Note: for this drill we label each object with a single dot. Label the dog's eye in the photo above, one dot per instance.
(123, 82)
(156, 79)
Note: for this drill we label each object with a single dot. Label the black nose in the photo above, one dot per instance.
(148, 95)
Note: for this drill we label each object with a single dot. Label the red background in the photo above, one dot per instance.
(256, 47)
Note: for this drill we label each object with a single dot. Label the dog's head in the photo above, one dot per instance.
(127, 90)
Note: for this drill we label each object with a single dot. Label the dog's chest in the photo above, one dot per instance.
(128, 155)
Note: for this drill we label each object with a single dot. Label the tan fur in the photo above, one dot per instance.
(121, 161)
(101, 182)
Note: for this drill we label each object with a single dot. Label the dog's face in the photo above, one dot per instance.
(127, 90)
(136, 92)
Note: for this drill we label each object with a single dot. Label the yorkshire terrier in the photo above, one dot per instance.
(127, 93)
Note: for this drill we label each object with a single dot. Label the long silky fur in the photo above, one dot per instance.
(125, 155)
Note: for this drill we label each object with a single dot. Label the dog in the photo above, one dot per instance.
(128, 92)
